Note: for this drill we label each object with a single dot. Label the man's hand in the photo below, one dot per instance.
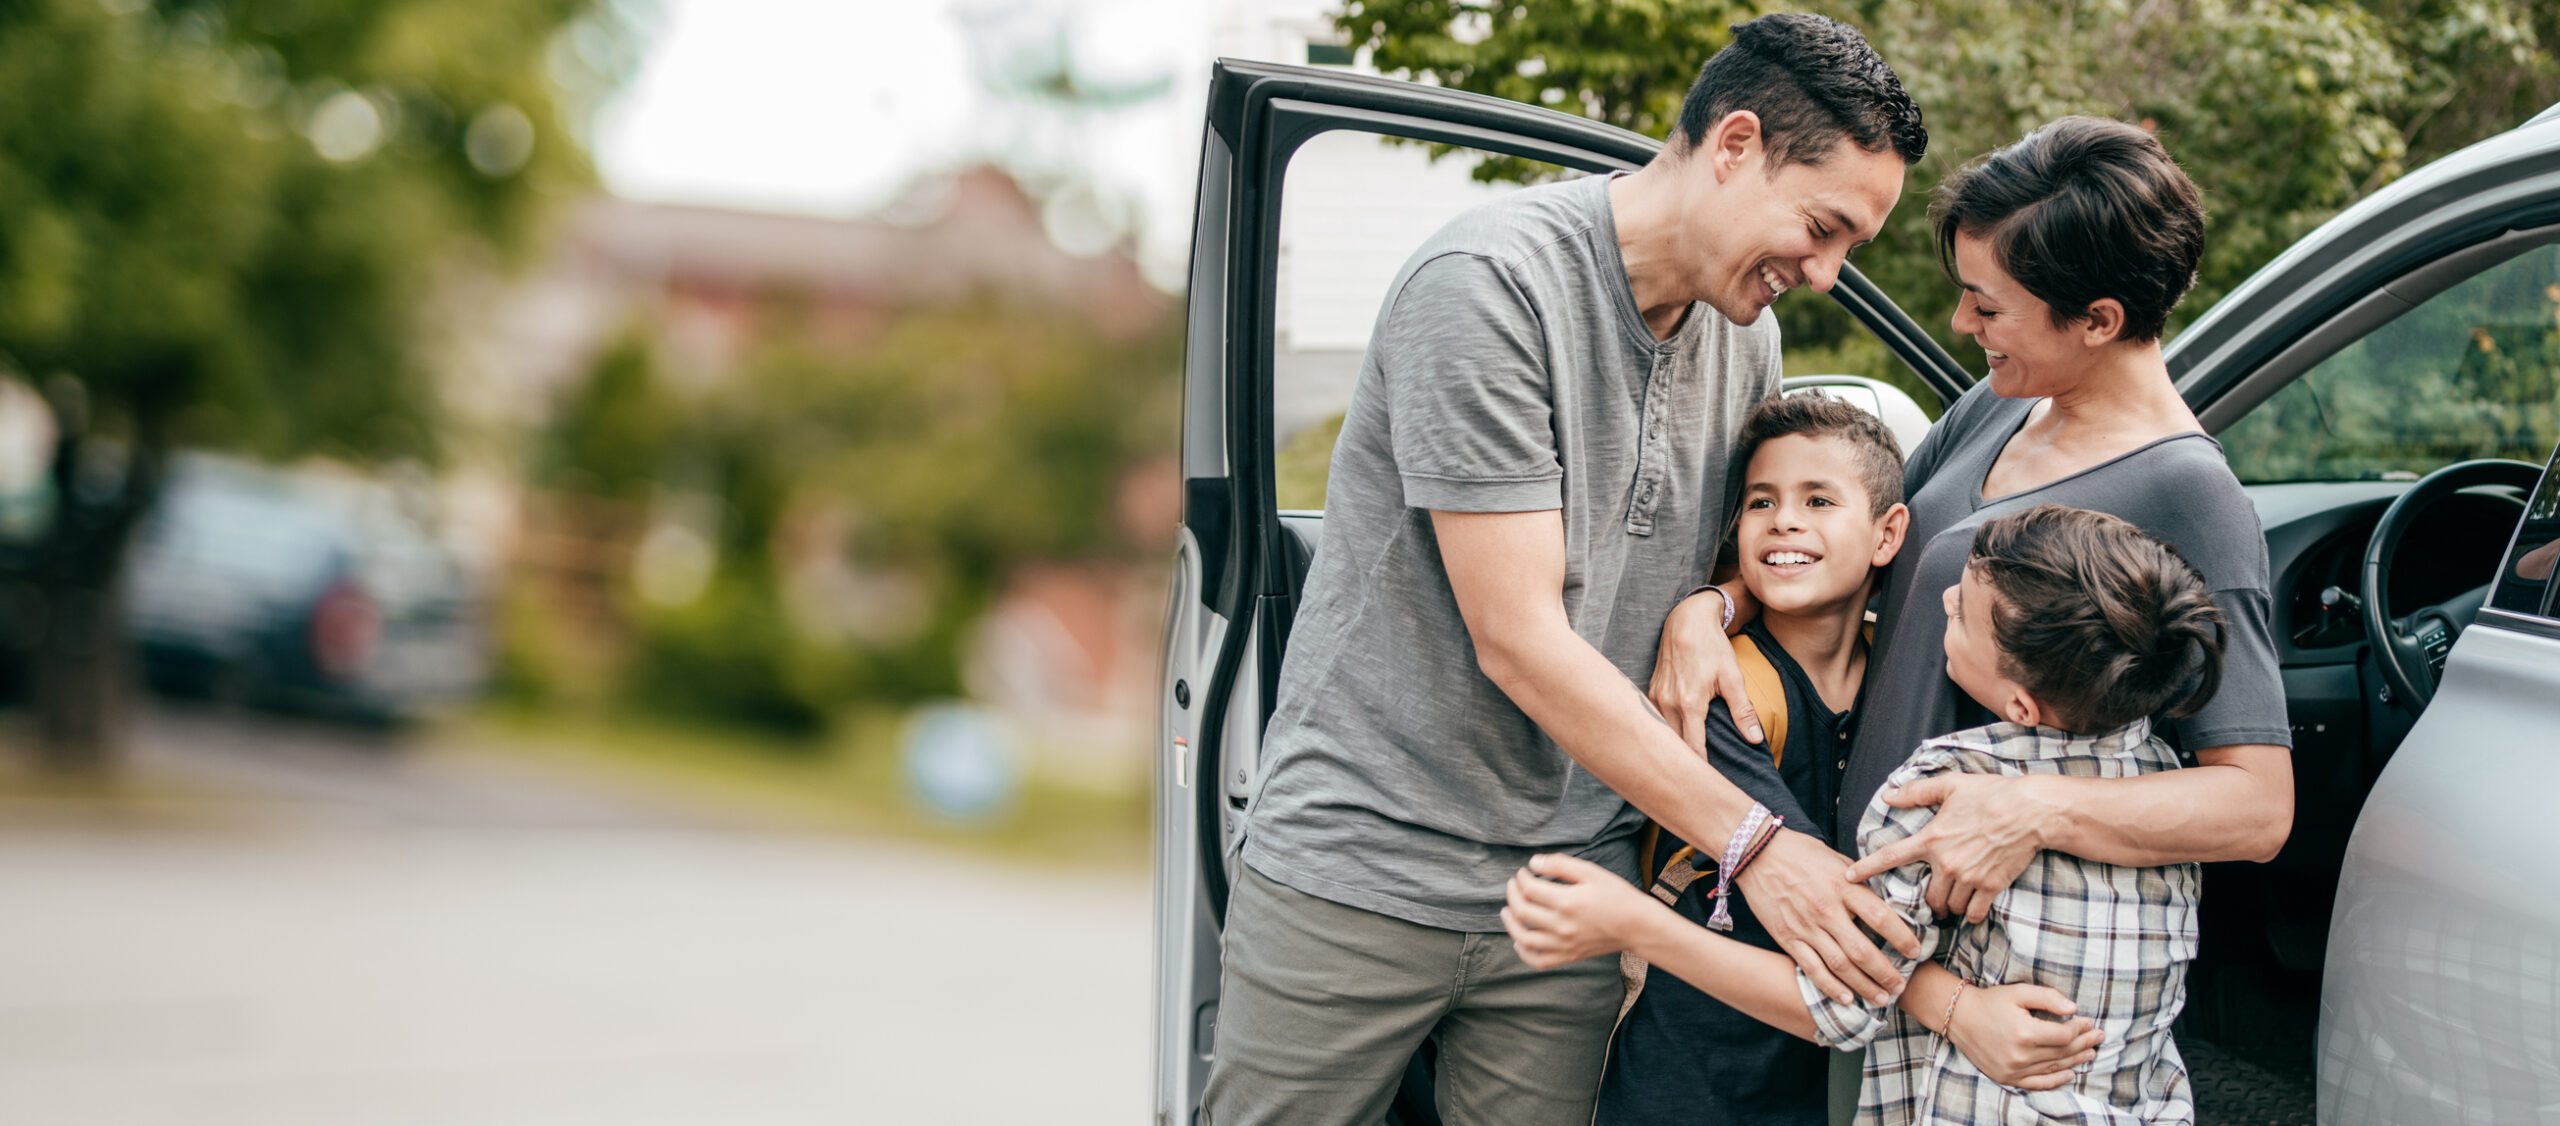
(1581, 910)
(1694, 666)
(1986, 831)
(1795, 889)
(1996, 1027)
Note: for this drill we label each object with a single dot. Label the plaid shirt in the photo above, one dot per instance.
(2114, 939)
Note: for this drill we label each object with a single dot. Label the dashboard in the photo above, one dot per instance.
(2316, 537)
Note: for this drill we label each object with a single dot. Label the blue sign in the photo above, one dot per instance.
(960, 763)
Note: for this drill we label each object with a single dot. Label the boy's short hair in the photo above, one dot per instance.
(1812, 81)
(1814, 415)
(2103, 623)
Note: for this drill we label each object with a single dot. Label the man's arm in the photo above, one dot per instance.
(2236, 803)
(1507, 572)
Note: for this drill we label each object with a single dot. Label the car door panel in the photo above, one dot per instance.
(2439, 1003)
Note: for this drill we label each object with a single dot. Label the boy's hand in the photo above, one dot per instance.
(1984, 834)
(1795, 890)
(1581, 910)
(1997, 1028)
(1695, 666)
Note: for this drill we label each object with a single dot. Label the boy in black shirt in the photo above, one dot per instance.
(1821, 510)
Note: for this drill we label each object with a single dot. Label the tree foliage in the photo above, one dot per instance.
(221, 216)
(219, 220)
(865, 498)
(2284, 111)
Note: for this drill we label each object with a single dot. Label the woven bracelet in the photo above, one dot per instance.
(1743, 834)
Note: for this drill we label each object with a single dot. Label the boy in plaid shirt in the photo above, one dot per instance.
(2074, 628)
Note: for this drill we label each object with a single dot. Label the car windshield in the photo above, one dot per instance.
(2472, 372)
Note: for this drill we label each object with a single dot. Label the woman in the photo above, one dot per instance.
(2071, 246)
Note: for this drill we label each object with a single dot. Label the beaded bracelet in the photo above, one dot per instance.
(1743, 835)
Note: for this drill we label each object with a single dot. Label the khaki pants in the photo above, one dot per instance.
(1321, 1005)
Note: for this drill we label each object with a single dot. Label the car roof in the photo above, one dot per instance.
(2507, 182)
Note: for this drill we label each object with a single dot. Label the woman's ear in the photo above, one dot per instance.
(2103, 324)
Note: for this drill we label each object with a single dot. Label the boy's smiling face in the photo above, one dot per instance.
(1808, 531)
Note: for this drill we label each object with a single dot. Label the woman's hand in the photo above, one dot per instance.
(1580, 910)
(1997, 1028)
(1986, 830)
(1694, 666)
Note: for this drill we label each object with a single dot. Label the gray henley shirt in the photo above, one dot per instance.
(1510, 371)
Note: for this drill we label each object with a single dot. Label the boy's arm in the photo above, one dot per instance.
(1750, 767)
(1905, 890)
(1563, 909)
(1997, 1029)
(1507, 572)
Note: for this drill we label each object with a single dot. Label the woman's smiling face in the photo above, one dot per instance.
(2029, 357)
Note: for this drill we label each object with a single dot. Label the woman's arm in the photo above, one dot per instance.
(2235, 804)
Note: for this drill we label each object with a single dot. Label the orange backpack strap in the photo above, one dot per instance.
(1768, 693)
(1667, 877)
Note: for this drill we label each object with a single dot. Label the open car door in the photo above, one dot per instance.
(1240, 560)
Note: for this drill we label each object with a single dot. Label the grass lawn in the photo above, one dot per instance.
(848, 782)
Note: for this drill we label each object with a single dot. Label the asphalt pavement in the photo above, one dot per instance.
(282, 923)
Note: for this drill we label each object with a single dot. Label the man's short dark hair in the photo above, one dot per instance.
(2103, 623)
(1812, 80)
(1878, 456)
(2082, 209)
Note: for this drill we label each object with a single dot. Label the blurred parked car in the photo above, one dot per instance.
(2388, 391)
(291, 591)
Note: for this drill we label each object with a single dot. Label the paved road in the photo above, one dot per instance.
(293, 930)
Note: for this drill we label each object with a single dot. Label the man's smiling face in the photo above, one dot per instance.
(1755, 234)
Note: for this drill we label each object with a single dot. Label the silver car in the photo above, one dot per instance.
(2389, 392)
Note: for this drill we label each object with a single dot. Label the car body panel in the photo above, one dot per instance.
(2438, 1004)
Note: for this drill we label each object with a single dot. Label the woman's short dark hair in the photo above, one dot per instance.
(2082, 209)
(2103, 623)
(1811, 80)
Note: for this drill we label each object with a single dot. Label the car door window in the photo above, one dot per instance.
(1355, 208)
(2525, 577)
(2472, 372)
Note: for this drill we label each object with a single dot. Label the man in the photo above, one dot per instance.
(1532, 471)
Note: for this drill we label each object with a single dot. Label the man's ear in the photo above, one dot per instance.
(1732, 144)
(2104, 323)
(1897, 524)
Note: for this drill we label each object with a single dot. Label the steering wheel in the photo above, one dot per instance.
(2411, 648)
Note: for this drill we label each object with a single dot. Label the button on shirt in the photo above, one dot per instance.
(2115, 939)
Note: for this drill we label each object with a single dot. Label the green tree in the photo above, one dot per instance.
(2284, 111)
(928, 460)
(218, 220)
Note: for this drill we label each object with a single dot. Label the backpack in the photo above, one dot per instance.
(1768, 694)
